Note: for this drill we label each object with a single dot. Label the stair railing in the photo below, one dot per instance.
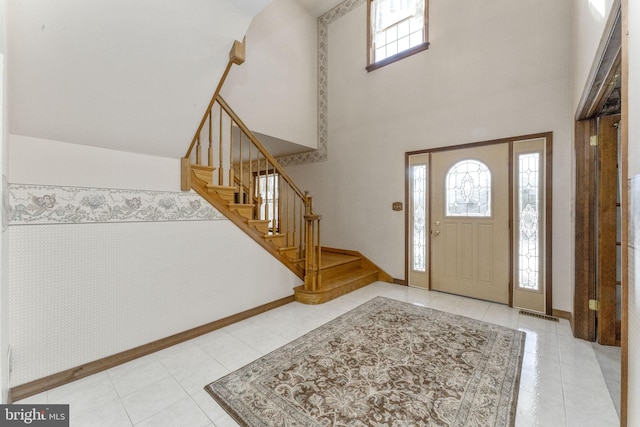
(238, 159)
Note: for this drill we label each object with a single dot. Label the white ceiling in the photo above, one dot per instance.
(319, 7)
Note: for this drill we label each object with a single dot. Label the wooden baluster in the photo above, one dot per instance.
(240, 168)
(266, 192)
(318, 255)
(274, 191)
(210, 157)
(284, 202)
(293, 221)
(220, 156)
(301, 237)
(198, 156)
(250, 196)
(231, 182)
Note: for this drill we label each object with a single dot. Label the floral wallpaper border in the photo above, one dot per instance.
(46, 204)
(320, 155)
(5, 203)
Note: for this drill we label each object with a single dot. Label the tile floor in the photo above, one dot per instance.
(561, 382)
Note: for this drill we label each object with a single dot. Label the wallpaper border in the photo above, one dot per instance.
(321, 153)
(50, 204)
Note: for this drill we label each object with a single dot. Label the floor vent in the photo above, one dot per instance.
(539, 315)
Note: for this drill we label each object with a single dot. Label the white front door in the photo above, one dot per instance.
(469, 218)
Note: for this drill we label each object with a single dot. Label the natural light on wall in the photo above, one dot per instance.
(597, 6)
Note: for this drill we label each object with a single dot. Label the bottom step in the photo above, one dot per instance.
(334, 288)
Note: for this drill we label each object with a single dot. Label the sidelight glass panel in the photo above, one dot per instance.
(419, 201)
(528, 245)
(468, 189)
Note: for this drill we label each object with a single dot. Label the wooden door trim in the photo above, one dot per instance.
(624, 153)
(603, 65)
(549, 223)
(548, 201)
(603, 70)
(606, 226)
(584, 320)
(511, 220)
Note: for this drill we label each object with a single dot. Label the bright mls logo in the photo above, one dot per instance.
(34, 415)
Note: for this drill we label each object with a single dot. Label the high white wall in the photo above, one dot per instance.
(44, 161)
(128, 75)
(274, 91)
(634, 88)
(589, 20)
(494, 69)
(4, 135)
(633, 417)
(82, 289)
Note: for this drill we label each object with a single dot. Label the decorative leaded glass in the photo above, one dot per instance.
(419, 174)
(528, 176)
(468, 189)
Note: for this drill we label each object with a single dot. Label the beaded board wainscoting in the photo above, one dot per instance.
(385, 362)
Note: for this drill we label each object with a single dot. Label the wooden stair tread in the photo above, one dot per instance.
(338, 286)
(203, 167)
(337, 282)
(341, 271)
(331, 259)
(221, 187)
(274, 236)
(241, 205)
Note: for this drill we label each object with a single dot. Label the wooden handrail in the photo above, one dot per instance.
(278, 199)
(260, 147)
(236, 56)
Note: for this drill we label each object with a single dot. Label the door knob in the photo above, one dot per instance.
(436, 233)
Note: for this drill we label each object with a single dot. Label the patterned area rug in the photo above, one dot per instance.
(384, 363)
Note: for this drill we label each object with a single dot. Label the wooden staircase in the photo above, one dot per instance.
(224, 198)
(243, 181)
(341, 271)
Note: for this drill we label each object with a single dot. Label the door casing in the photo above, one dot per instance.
(548, 271)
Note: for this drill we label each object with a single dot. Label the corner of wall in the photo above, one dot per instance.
(4, 346)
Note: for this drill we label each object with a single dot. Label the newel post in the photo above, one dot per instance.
(185, 174)
(312, 277)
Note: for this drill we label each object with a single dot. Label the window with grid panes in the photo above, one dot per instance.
(397, 29)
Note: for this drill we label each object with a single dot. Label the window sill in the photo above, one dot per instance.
(398, 56)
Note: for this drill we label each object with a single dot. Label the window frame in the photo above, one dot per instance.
(372, 64)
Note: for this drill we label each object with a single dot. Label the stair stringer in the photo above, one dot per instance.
(200, 187)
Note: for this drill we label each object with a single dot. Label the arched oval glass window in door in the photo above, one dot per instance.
(468, 189)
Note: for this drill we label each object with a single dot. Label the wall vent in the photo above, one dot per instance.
(539, 315)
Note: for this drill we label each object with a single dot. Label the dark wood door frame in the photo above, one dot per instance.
(604, 72)
(610, 64)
